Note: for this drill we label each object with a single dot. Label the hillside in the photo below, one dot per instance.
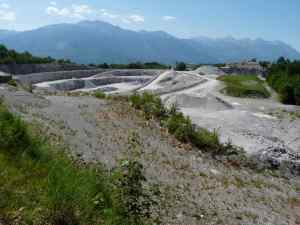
(98, 42)
(188, 185)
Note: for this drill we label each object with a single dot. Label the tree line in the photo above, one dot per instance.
(284, 77)
(10, 56)
(135, 65)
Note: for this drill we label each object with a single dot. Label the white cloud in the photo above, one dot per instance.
(6, 13)
(128, 19)
(169, 18)
(81, 10)
(4, 6)
(136, 18)
(75, 11)
(84, 11)
(54, 11)
(107, 14)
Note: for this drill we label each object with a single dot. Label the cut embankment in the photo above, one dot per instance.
(208, 103)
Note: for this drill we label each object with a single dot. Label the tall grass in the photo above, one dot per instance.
(39, 185)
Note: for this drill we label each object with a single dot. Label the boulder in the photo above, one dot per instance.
(281, 158)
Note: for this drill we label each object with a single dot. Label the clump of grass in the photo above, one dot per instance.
(12, 83)
(100, 94)
(149, 104)
(39, 185)
(244, 86)
(177, 124)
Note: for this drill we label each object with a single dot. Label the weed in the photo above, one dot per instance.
(130, 198)
(13, 83)
(150, 104)
(100, 94)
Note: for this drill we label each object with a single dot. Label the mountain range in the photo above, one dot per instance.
(98, 42)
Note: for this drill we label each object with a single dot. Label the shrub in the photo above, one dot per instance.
(180, 126)
(181, 66)
(12, 83)
(207, 140)
(150, 104)
(100, 94)
(131, 200)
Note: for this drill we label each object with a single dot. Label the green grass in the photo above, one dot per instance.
(13, 83)
(248, 86)
(100, 94)
(40, 185)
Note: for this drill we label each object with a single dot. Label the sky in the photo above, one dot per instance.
(266, 19)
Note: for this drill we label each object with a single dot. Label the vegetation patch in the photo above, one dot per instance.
(179, 125)
(135, 65)
(284, 77)
(13, 83)
(8, 56)
(245, 86)
(100, 94)
(40, 185)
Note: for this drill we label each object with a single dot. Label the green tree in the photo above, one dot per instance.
(180, 66)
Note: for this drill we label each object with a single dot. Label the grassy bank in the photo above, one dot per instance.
(246, 86)
(39, 185)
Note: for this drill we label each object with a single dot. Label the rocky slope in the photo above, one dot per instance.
(194, 188)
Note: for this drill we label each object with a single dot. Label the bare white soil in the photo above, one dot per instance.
(246, 122)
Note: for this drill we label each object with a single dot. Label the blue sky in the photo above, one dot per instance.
(267, 19)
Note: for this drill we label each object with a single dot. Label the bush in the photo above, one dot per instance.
(180, 126)
(100, 95)
(151, 105)
(130, 197)
(181, 66)
(207, 140)
(12, 83)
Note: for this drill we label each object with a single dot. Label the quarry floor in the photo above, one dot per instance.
(255, 124)
(195, 188)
